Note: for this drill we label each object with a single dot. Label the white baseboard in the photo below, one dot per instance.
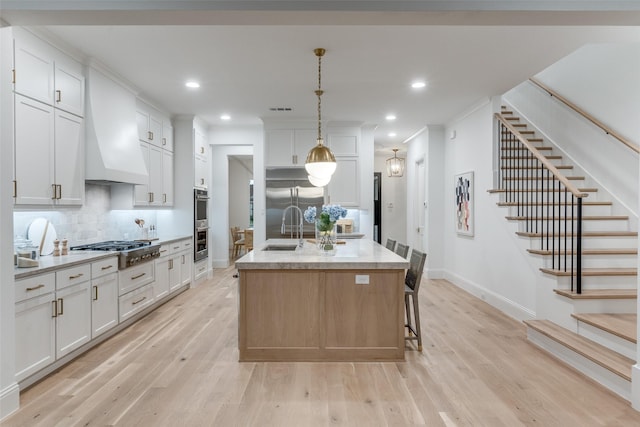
(503, 304)
(9, 400)
(635, 387)
(220, 263)
(434, 273)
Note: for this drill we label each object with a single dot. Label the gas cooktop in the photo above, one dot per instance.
(112, 245)
(132, 252)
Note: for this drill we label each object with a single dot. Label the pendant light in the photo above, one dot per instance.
(320, 163)
(395, 165)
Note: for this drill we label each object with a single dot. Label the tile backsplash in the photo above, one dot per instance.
(92, 222)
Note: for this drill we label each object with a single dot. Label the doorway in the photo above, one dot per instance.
(419, 206)
(377, 207)
(240, 203)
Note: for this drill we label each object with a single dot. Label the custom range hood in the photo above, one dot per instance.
(113, 153)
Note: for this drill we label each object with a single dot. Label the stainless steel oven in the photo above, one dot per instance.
(201, 224)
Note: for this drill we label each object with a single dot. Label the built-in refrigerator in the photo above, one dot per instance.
(287, 190)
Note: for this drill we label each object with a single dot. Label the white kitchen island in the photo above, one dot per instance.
(300, 305)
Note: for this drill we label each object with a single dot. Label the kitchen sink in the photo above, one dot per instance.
(280, 248)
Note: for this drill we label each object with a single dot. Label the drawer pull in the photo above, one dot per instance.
(106, 267)
(163, 250)
(40, 286)
(61, 312)
(139, 301)
(95, 290)
(54, 306)
(138, 276)
(75, 276)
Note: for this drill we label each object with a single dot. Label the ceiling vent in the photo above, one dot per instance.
(281, 109)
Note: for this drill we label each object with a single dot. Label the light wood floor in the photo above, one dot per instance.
(178, 367)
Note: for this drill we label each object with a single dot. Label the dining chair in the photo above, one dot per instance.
(238, 241)
(411, 287)
(402, 250)
(391, 244)
(248, 240)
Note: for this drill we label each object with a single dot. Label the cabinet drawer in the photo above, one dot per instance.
(73, 275)
(165, 249)
(187, 245)
(35, 286)
(135, 277)
(135, 301)
(175, 247)
(103, 267)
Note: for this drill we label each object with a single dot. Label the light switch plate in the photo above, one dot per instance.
(362, 279)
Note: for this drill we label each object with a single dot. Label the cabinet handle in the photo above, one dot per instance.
(294, 159)
(13, 77)
(164, 197)
(59, 191)
(150, 134)
(54, 189)
(202, 181)
(164, 141)
(35, 288)
(183, 259)
(106, 267)
(138, 276)
(150, 197)
(61, 312)
(58, 96)
(15, 188)
(54, 306)
(95, 293)
(170, 264)
(139, 301)
(75, 276)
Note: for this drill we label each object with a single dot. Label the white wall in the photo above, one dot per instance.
(601, 79)
(492, 264)
(394, 201)
(228, 141)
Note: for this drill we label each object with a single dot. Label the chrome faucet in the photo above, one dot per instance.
(284, 214)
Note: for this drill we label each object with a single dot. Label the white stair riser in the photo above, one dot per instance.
(597, 210)
(613, 382)
(592, 242)
(587, 225)
(608, 340)
(600, 282)
(604, 305)
(599, 261)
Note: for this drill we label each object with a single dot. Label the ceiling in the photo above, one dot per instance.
(249, 61)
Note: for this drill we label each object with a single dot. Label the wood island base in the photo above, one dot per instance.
(321, 315)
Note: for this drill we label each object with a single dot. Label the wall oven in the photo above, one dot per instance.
(201, 224)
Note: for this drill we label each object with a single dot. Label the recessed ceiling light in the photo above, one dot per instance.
(225, 117)
(418, 85)
(390, 117)
(392, 134)
(192, 84)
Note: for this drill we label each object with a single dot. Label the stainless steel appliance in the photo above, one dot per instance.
(288, 194)
(201, 223)
(131, 252)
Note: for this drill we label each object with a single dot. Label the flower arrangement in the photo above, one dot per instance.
(325, 223)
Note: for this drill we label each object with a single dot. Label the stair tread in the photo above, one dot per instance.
(599, 354)
(603, 251)
(594, 272)
(547, 156)
(599, 293)
(535, 167)
(502, 190)
(623, 325)
(534, 178)
(541, 148)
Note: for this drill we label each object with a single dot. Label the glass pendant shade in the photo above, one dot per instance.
(318, 182)
(395, 165)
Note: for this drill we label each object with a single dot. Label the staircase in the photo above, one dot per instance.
(592, 323)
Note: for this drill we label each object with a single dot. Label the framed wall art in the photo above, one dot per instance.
(464, 210)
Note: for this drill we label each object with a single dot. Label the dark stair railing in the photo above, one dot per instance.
(549, 204)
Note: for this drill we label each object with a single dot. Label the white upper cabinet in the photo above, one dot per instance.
(45, 74)
(167, 136)
(68, 158)
(345, 183)
(201, 164)
(149, 127)
(288, 147)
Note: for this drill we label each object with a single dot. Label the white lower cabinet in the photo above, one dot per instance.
(35, 332)
(163, 267)
(186, 262)
(73, 318)
(201, 269)
(104, 303)
(135, 301)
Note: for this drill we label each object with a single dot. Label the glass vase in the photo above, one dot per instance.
(326, 239)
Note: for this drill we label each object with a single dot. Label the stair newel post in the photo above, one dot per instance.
(579, 249)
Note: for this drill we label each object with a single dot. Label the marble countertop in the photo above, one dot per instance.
(49, 263)
(354, 254)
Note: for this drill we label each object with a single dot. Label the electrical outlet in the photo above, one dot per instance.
(362, 279)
